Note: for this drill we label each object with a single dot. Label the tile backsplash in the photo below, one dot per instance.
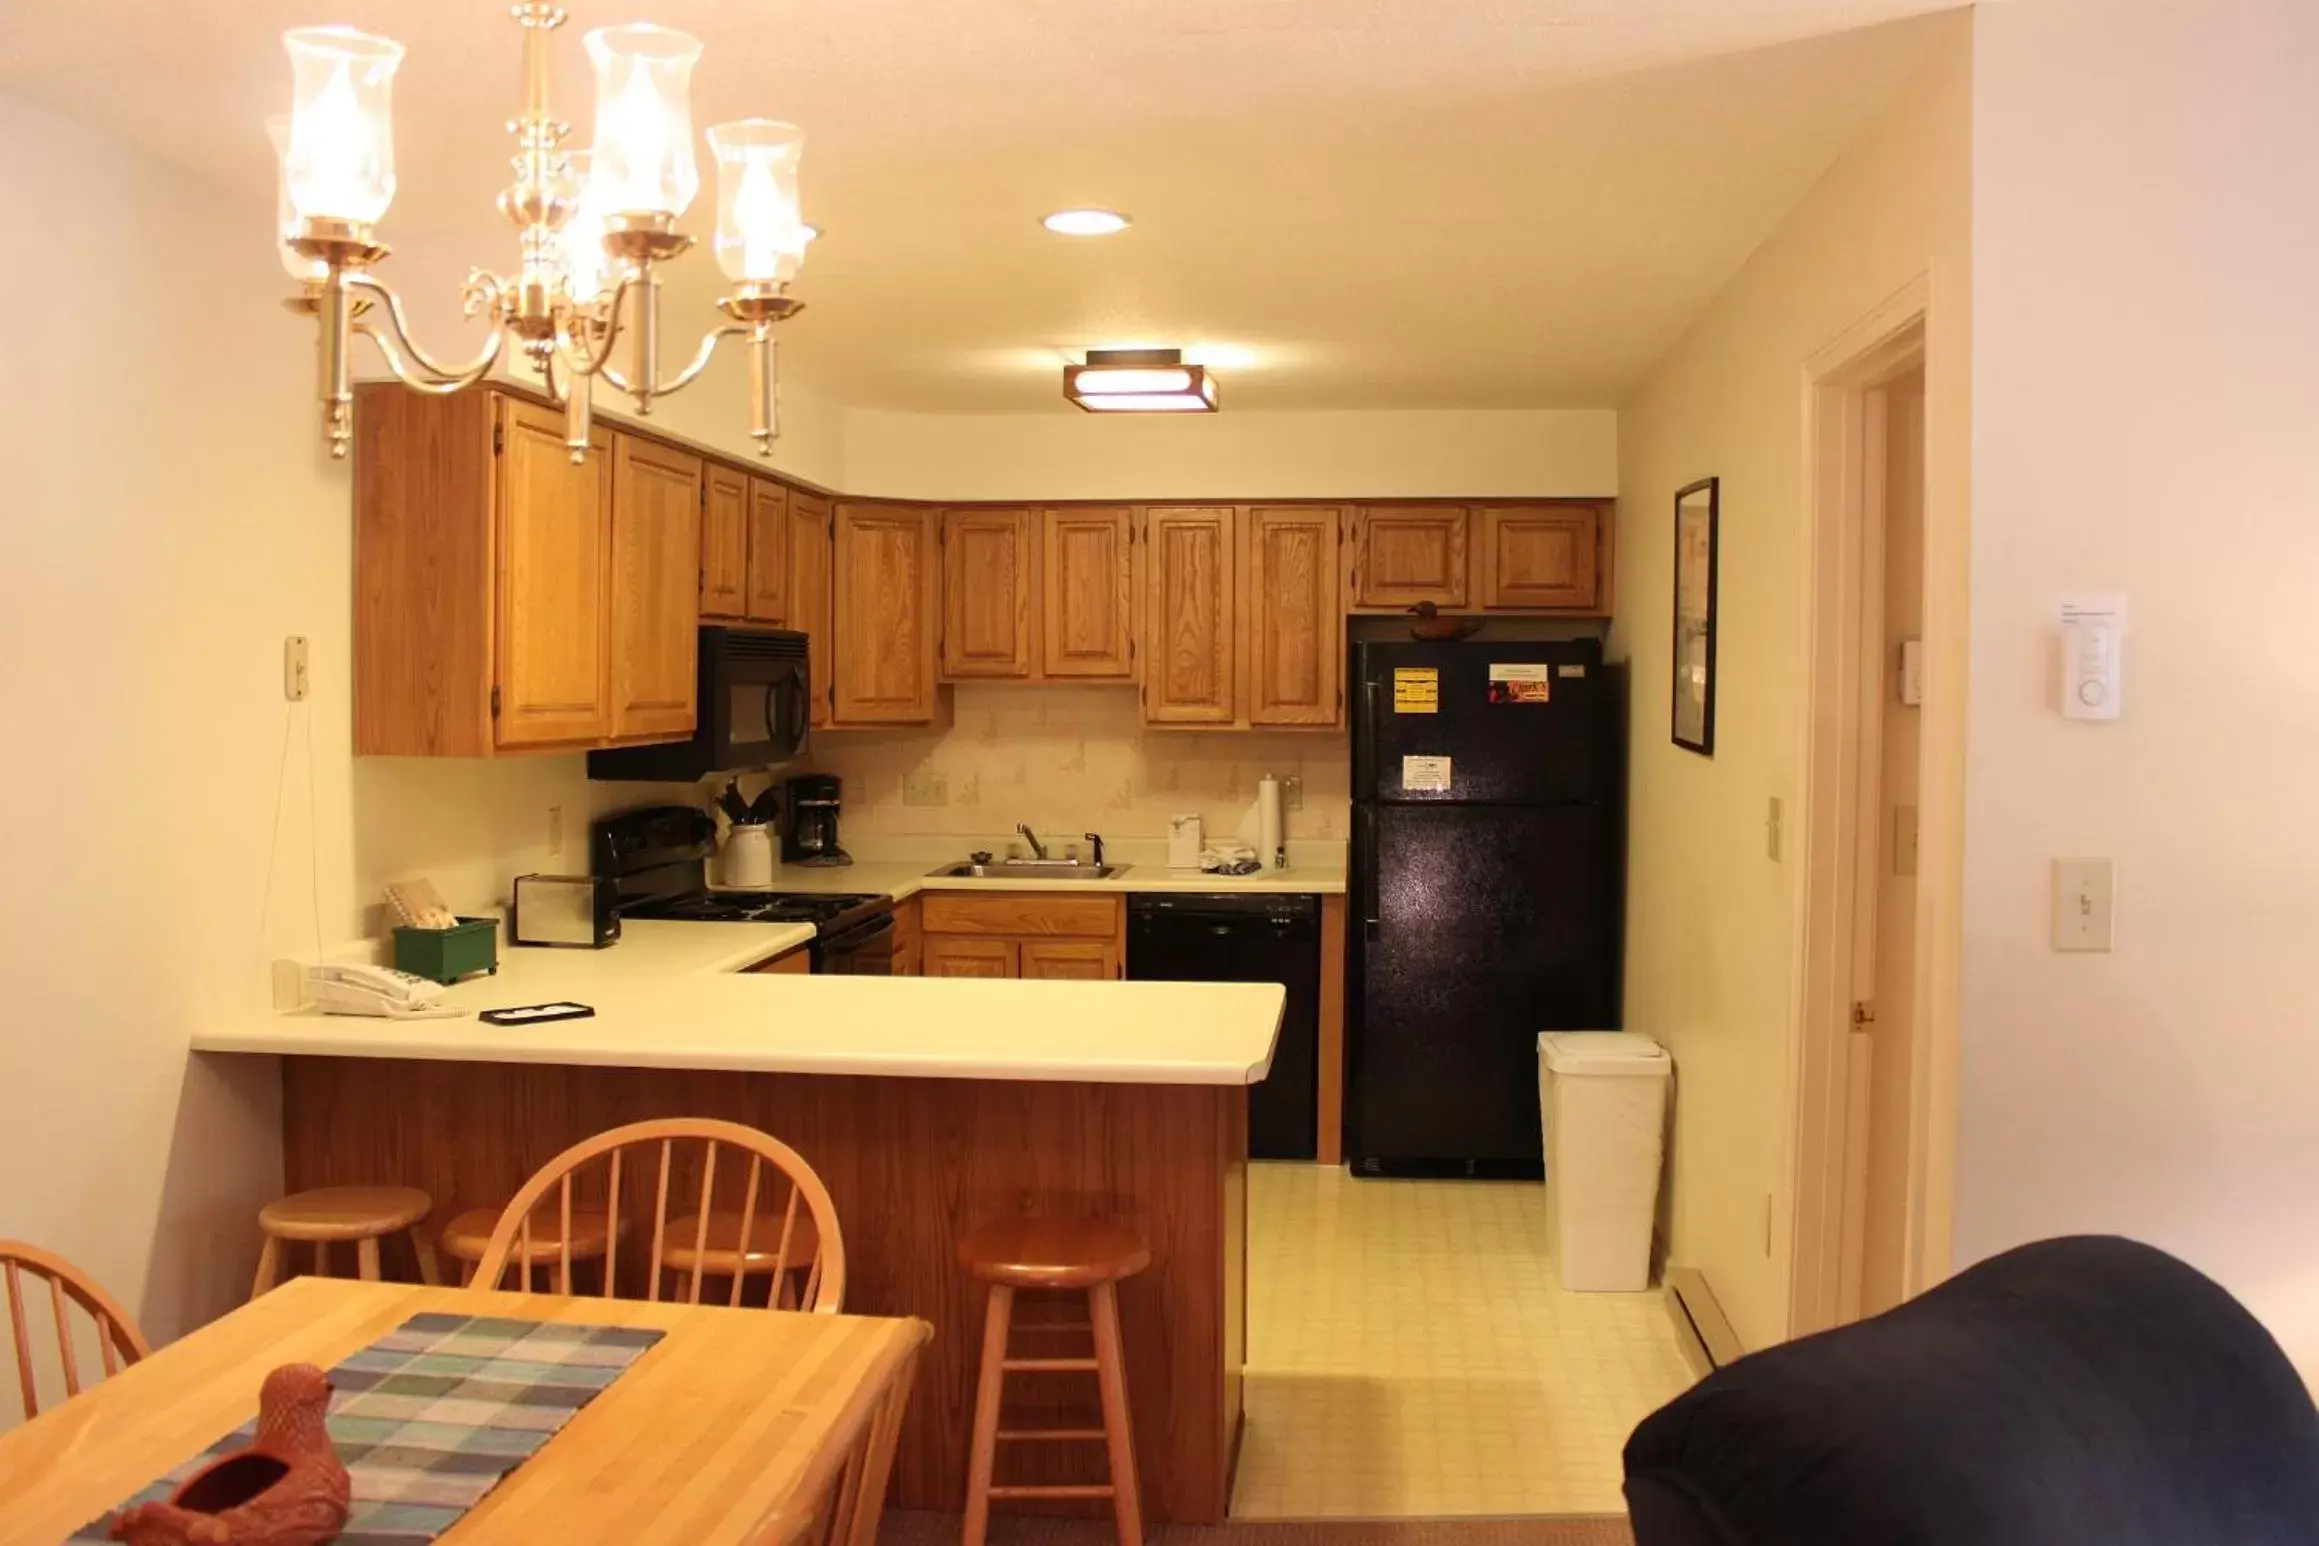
(1070, 760)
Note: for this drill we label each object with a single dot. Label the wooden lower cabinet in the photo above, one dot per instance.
(1077, 960)
(795, 963)
(909, 944)
(948, 957)
(1032, 934)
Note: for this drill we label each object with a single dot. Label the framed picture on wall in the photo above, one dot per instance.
(1697, 509)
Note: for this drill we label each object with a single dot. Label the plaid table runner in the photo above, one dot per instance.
(430, 1417)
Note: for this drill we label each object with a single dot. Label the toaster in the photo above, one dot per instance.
(575, 910)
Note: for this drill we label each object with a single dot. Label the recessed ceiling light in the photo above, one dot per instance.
(1085, 222)
(1139, 381)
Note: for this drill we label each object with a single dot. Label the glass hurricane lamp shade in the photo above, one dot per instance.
(339, 165)
(761, 238)
(643, 150)
(299, 267)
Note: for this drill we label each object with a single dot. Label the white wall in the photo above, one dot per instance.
(169, 515)
(1711, 918)
(1067, 454)
(2144, 411)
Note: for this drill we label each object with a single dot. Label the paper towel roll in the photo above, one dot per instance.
(1268, 837)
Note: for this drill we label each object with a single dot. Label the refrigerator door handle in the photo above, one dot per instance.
(1365, 744)
(1367, 860)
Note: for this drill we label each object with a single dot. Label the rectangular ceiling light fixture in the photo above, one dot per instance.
(1139, 381)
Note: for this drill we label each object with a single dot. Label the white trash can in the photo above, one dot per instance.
(1604, 1097)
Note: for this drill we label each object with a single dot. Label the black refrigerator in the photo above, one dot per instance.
(1488, 851)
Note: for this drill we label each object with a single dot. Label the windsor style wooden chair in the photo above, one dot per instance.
(119, 1342)
(785, 1226)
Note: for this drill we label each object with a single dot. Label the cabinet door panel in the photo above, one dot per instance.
(553, 668)
(1411, 553)
(989, 593)
(883, 602)
(1071, 960)
(806, 582)
(1296, 628)
(767, 591)
(1089, 610)
(1190, 645)
(656, 512)
(945, 957)
(1540, 557)
(725, 544)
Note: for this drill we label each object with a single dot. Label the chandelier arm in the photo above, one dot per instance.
(419, 379)
(700, 361)
(586, 357)
(430, 371)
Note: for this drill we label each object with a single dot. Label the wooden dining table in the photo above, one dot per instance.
(739, 1426)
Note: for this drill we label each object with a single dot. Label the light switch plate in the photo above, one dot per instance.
(2084, 904)
(296, 680)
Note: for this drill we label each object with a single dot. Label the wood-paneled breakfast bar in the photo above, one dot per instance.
(926, 1105)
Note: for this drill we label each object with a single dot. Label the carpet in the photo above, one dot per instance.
(914, 1529)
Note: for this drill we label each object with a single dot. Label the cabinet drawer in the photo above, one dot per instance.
(1021, 912)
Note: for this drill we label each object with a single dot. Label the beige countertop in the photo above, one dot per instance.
(919, 1027)
(679, 995)
(904, 878)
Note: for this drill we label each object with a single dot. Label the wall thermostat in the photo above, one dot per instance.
(2093, 636)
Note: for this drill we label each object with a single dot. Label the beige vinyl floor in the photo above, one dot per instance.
(1410, 1354)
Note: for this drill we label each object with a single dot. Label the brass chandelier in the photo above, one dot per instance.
(592, 226)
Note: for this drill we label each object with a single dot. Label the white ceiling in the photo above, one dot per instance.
(1358, 203)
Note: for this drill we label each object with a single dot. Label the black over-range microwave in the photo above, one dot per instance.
(756, 699)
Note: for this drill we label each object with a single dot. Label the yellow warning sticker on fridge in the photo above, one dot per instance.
(1416, 690)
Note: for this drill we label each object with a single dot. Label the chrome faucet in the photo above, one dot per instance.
(1038, 849)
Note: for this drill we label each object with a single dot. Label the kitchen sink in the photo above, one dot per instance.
(1027, 869)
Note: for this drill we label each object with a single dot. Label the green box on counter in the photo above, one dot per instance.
(446, 955)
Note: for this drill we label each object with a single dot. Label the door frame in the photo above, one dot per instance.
(1843, 539)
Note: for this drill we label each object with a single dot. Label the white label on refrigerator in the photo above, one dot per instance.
(1425, 775)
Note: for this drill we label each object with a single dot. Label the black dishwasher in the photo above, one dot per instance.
(1247, 937)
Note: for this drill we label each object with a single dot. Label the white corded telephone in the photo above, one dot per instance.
(376, 990)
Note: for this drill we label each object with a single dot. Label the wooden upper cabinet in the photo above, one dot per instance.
(1088, 595)
(806, 585)
(1410, 553)
(1295, 626)
(1190, 619)
(990, 593)
(656, 537)
(884, 595)
(725, 544)
(552, 520)
(1537, 558)
(765, 586)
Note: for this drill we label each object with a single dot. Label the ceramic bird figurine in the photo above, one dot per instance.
(288, 1488)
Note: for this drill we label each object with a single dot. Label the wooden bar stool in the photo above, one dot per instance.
(468, 1235)
(1053, 1253)
(717, 1252)
(362, 1214)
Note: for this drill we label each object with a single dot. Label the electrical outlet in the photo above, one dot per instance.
(925, 789)
(1771, 829)
(555, 831)
(296, 680)
(2084, 891)
(1292, 793)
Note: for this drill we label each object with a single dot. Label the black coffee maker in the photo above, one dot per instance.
(809, 820)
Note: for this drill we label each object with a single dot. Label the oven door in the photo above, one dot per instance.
(767, 706)
(866, 950)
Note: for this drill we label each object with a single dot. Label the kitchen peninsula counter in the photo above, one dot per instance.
(926, 1105)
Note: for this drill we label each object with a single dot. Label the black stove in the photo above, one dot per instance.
(657, 860)
(827, 913)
